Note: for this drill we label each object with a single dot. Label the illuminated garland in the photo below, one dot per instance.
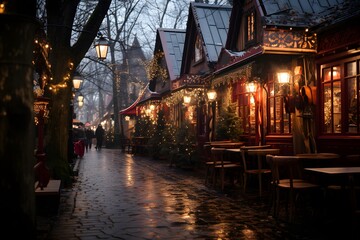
(66, 80)
(178, 96)
(228, 79)
(154, 69)
(40, 61)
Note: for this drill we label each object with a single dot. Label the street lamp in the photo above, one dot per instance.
(211, 95)
(77, 80)
(80, 98)
(41, 112)
(101, 47)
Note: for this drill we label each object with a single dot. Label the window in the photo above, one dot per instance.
(246, 102)
(340, 97)
(279, 121)
(250, 33)
(198, 50)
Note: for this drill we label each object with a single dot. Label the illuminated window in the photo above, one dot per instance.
(279, 121)
(340, 97)
(246, 102)
(250, 33)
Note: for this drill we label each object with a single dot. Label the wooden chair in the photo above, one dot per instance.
(209, 163)
(254, 166)
(287, 177)
(220, 165)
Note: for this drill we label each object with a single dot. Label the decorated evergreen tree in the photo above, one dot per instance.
(186, 140)
(144, 127)
(168, 144)
(229, 126)
(157, 139)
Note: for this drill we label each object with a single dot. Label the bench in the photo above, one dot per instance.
(47, 191)
(52, 188)
(139, 145)
(48, 198)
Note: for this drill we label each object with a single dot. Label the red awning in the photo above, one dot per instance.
(131, 110)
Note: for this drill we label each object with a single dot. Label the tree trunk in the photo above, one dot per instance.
(17, 202)
(64, 59)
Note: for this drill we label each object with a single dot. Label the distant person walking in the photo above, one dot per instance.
(99, 134)
(89, 136)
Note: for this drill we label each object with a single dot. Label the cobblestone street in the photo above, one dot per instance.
(121, 196)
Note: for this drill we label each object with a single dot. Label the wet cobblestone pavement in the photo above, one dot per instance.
(121, 196)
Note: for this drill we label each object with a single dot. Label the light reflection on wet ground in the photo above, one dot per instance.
(118, 196)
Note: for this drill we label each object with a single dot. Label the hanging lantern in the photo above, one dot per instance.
(101, 47)
(77, 80)
(80, 98)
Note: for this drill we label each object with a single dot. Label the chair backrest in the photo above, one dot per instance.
(285, 167)
(244, 151)
(217, 155)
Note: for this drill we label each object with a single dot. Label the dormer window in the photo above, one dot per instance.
(250, 33)
(198, 50)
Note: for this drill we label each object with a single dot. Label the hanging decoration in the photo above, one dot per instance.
(233, 77)
(154, 68)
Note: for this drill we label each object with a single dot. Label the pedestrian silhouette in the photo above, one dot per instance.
(89, 136)
(99, 134)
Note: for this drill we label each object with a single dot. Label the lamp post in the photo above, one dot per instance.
(41, 112)
(255, 104)
(211, 95)
(101, 46)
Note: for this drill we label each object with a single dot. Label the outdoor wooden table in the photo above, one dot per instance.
(347, 172)
(227, 145)
(260, 154)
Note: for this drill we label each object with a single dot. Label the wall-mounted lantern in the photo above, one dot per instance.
(251, 87)
(284, 77)
(211, 94)
(187, 99)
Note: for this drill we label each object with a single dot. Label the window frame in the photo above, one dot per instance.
(279, 121)
(339, 112)
(250, 31)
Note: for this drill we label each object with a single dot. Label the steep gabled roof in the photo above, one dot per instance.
(171, 42)
(211, 22)
(306, 14)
